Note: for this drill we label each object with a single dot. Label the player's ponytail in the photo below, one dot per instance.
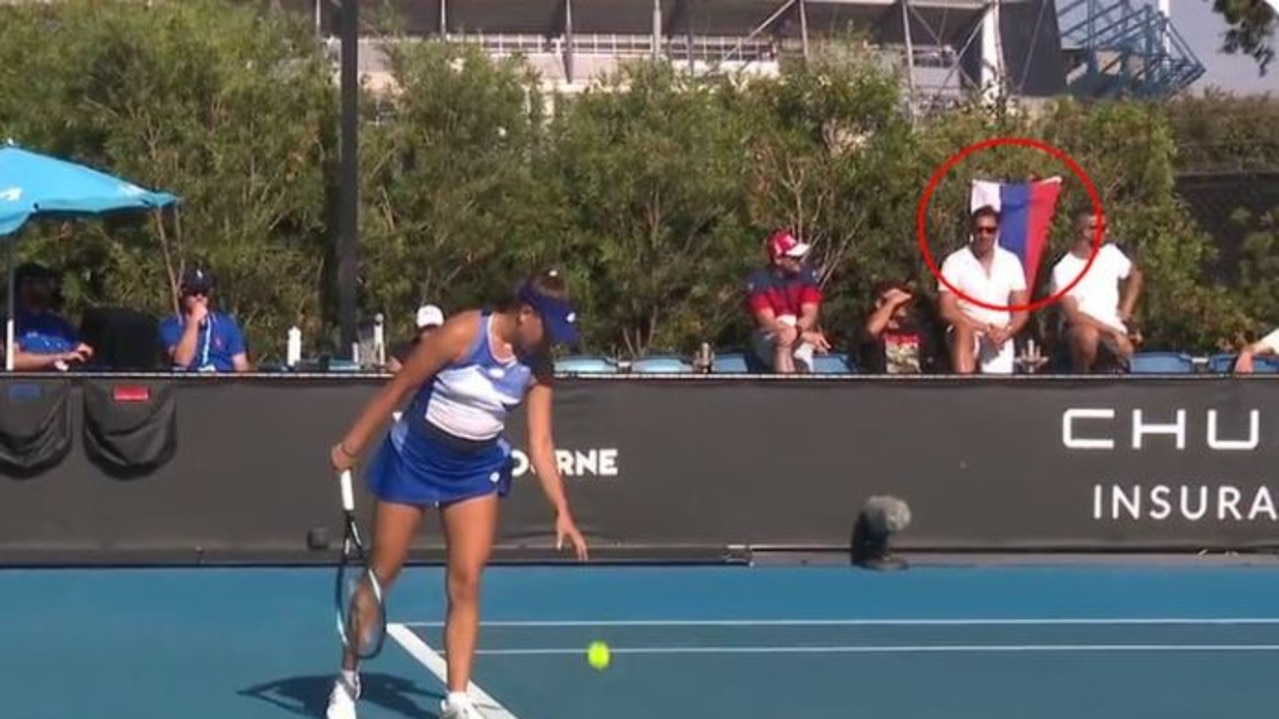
(548, 282)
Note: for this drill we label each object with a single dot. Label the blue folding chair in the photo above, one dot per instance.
(661, 365)
(1162, 363)
(585, 364)
(1221, 363)
(731, 363)
(831, 364)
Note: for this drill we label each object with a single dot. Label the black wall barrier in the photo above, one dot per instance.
(235, 469)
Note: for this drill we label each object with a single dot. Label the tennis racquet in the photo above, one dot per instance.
(361, 611)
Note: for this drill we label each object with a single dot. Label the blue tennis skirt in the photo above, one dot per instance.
(422, 465)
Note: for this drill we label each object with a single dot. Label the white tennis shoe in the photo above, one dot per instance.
(458, 706)
(342, 700)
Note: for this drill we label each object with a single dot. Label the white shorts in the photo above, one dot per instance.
(763, 343)
(991, 358)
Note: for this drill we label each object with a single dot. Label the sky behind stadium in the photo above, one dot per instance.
(1203, 30)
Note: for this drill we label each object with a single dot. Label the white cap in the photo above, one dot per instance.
(429, 316)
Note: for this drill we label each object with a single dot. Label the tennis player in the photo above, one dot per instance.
(447, 452)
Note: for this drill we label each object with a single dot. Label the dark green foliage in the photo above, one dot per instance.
(653, 192)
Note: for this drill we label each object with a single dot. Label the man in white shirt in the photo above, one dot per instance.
(990, 274)
(1097, 311)
(1267, 346)
(429, 319)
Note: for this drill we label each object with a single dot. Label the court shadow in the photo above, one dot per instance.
(309, 696)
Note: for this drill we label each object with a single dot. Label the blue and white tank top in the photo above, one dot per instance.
(471, 397)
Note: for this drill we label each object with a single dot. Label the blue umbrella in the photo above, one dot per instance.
(34, 185)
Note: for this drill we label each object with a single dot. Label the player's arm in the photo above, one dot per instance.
(763, 313)
(429, 357)
(808, 315)
(35, 362)
(238, 348)
(766, 319)
(948, 301)
(1266, 346)
(761, 310)
(810, 301)
(951, 312)
(879, 318)
(1019, 298)
(181, 344)
(541, 446)
(1130, 293)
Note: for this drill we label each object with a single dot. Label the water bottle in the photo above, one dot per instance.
(295, 346)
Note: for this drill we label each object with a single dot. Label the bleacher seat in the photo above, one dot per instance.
(833, 363)
(732, 363)
(1221, 363)
(1225, 364)
(661, 365)
(1162, 363)
(585, 364)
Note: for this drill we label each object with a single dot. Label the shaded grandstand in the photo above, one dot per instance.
(944, 48)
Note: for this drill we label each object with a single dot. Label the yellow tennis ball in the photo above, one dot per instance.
(597, 655)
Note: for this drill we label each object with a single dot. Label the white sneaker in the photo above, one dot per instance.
(342, 700)
(458, 706)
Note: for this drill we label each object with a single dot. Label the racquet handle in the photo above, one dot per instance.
(348, 499)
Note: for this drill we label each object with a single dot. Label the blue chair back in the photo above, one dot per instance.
(585, 364)
(1265, 365)
(831, 364)
(661, 365)
(1162, 363)
(732, 363)
(1221, 363)
(1225, 363)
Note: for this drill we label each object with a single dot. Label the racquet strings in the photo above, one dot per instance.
(363, 620)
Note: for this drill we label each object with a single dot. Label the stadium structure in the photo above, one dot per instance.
(944, 48)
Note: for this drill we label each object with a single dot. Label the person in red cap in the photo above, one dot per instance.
(785, 299)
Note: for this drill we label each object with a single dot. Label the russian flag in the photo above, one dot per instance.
(1026, 214)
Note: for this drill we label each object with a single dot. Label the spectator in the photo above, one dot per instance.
(199, 338)
(1097, 314)
(896, 338)
(990, 274)
(429, 317)
(784, 299)
(1267, 346)
(43, 340)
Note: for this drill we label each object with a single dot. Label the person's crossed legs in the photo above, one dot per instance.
(1085, 343)
(784, 350)
(973, 349)
(963, 346)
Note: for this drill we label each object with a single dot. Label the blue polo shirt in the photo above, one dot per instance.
(219, 341)
(44, 333)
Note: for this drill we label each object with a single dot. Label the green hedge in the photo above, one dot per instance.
(654, 192)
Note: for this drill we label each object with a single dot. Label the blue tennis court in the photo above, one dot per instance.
(995, 642)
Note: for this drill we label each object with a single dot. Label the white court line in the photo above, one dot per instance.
(900, 649)
(434, 663)
(1082, 621)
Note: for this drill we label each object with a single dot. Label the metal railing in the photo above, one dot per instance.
(1126, 49)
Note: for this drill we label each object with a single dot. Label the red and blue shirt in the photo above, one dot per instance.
(782, 292)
